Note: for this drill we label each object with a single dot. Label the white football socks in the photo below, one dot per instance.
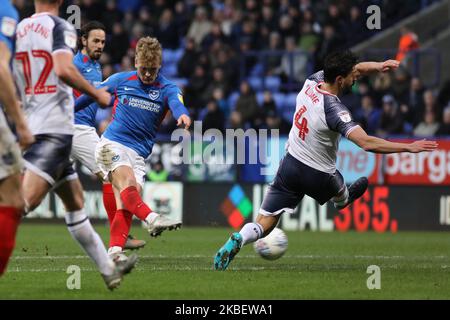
(81, 230)
(342, 197)
(251, 232)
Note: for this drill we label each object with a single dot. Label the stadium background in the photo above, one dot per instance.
(241, 64)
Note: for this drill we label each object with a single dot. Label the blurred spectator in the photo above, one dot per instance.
(236, 120)
(158, 173)
(391, 121)
(187, 63)
(293, 63)
(222, 102)
(274, 121)
(309, 40)
(110, 15)
(400, 85)
(382, 85)
(408, 42)
(428, 127)
(218, 81)
(214, 117)
(330, 42)
(216, 34)
(273, 61)
(355, 27)
(167, 32)
(181, 18)
(444, 128)
(415, 93)
(197, 84)
(200, 26)
(116, 47)
(368, 116)
(246, 104)
(286, 27)
(429, 103)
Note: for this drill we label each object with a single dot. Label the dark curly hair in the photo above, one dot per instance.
(339, 63)
(88, 27)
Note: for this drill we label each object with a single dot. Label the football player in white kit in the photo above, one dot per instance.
(309, 166)
(45, 76)
(11, 199)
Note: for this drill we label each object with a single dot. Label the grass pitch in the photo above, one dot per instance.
(178, 265)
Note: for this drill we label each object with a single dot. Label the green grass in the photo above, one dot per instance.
(178, 265)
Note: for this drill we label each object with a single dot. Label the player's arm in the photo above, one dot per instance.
(67, 72)
(366, 68)
(378, 145)
(110, 85)
(9, 99)
(176, 105)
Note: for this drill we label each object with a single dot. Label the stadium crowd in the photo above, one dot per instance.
(205, 41)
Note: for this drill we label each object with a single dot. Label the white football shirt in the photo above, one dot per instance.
(47, 100)
(318, 123)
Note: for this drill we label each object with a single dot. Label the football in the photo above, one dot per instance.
(272, 246)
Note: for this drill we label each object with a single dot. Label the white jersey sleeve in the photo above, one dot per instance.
(47, 100)
(318, 123)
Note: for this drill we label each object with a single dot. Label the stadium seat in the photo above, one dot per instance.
(290, 100)
(272, 83)
(169, 70)
(260, 98)
(279, 100)
(232, 98)
(181, 82)
(255, 83)
(257, 70)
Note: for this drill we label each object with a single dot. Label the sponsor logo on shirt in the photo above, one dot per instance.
(141, 104)
(180, 97)
(8, 26)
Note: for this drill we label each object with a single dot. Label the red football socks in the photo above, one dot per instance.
(109, 202)
(133, 203)
(9, 220)
(120, 228)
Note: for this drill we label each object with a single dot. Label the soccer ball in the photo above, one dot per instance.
(273, 246)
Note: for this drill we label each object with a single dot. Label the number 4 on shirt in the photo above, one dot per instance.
(302, 125)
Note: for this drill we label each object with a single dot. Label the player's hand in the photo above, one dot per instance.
(103, 97)
(422, 145)
(184, 120)
(26, 138)
(388, 65)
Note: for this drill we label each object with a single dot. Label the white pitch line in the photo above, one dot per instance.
(187, 268)
(362, 257)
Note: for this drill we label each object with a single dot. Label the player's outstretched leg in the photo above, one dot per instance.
(155, 222)
(249, 233)
(355, 191)
(228, 251)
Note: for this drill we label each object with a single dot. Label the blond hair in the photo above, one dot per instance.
(149, 50)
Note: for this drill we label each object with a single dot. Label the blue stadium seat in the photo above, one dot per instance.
(272, 83)
(169, 70)
(257, 70)
(279, 100)
(255, 83)
(232, 98)
(260, 98)
(290, 100)
(181, 82)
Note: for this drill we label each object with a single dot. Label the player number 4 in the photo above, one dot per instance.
(302, 125)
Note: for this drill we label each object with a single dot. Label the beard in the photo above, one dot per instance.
(94, 55)
(347, 89)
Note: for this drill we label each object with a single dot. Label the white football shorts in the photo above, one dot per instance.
(110, 155)
(85, 140)
(11, 161)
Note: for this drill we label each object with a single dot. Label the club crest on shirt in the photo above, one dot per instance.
(345, 116)
(153, 94)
